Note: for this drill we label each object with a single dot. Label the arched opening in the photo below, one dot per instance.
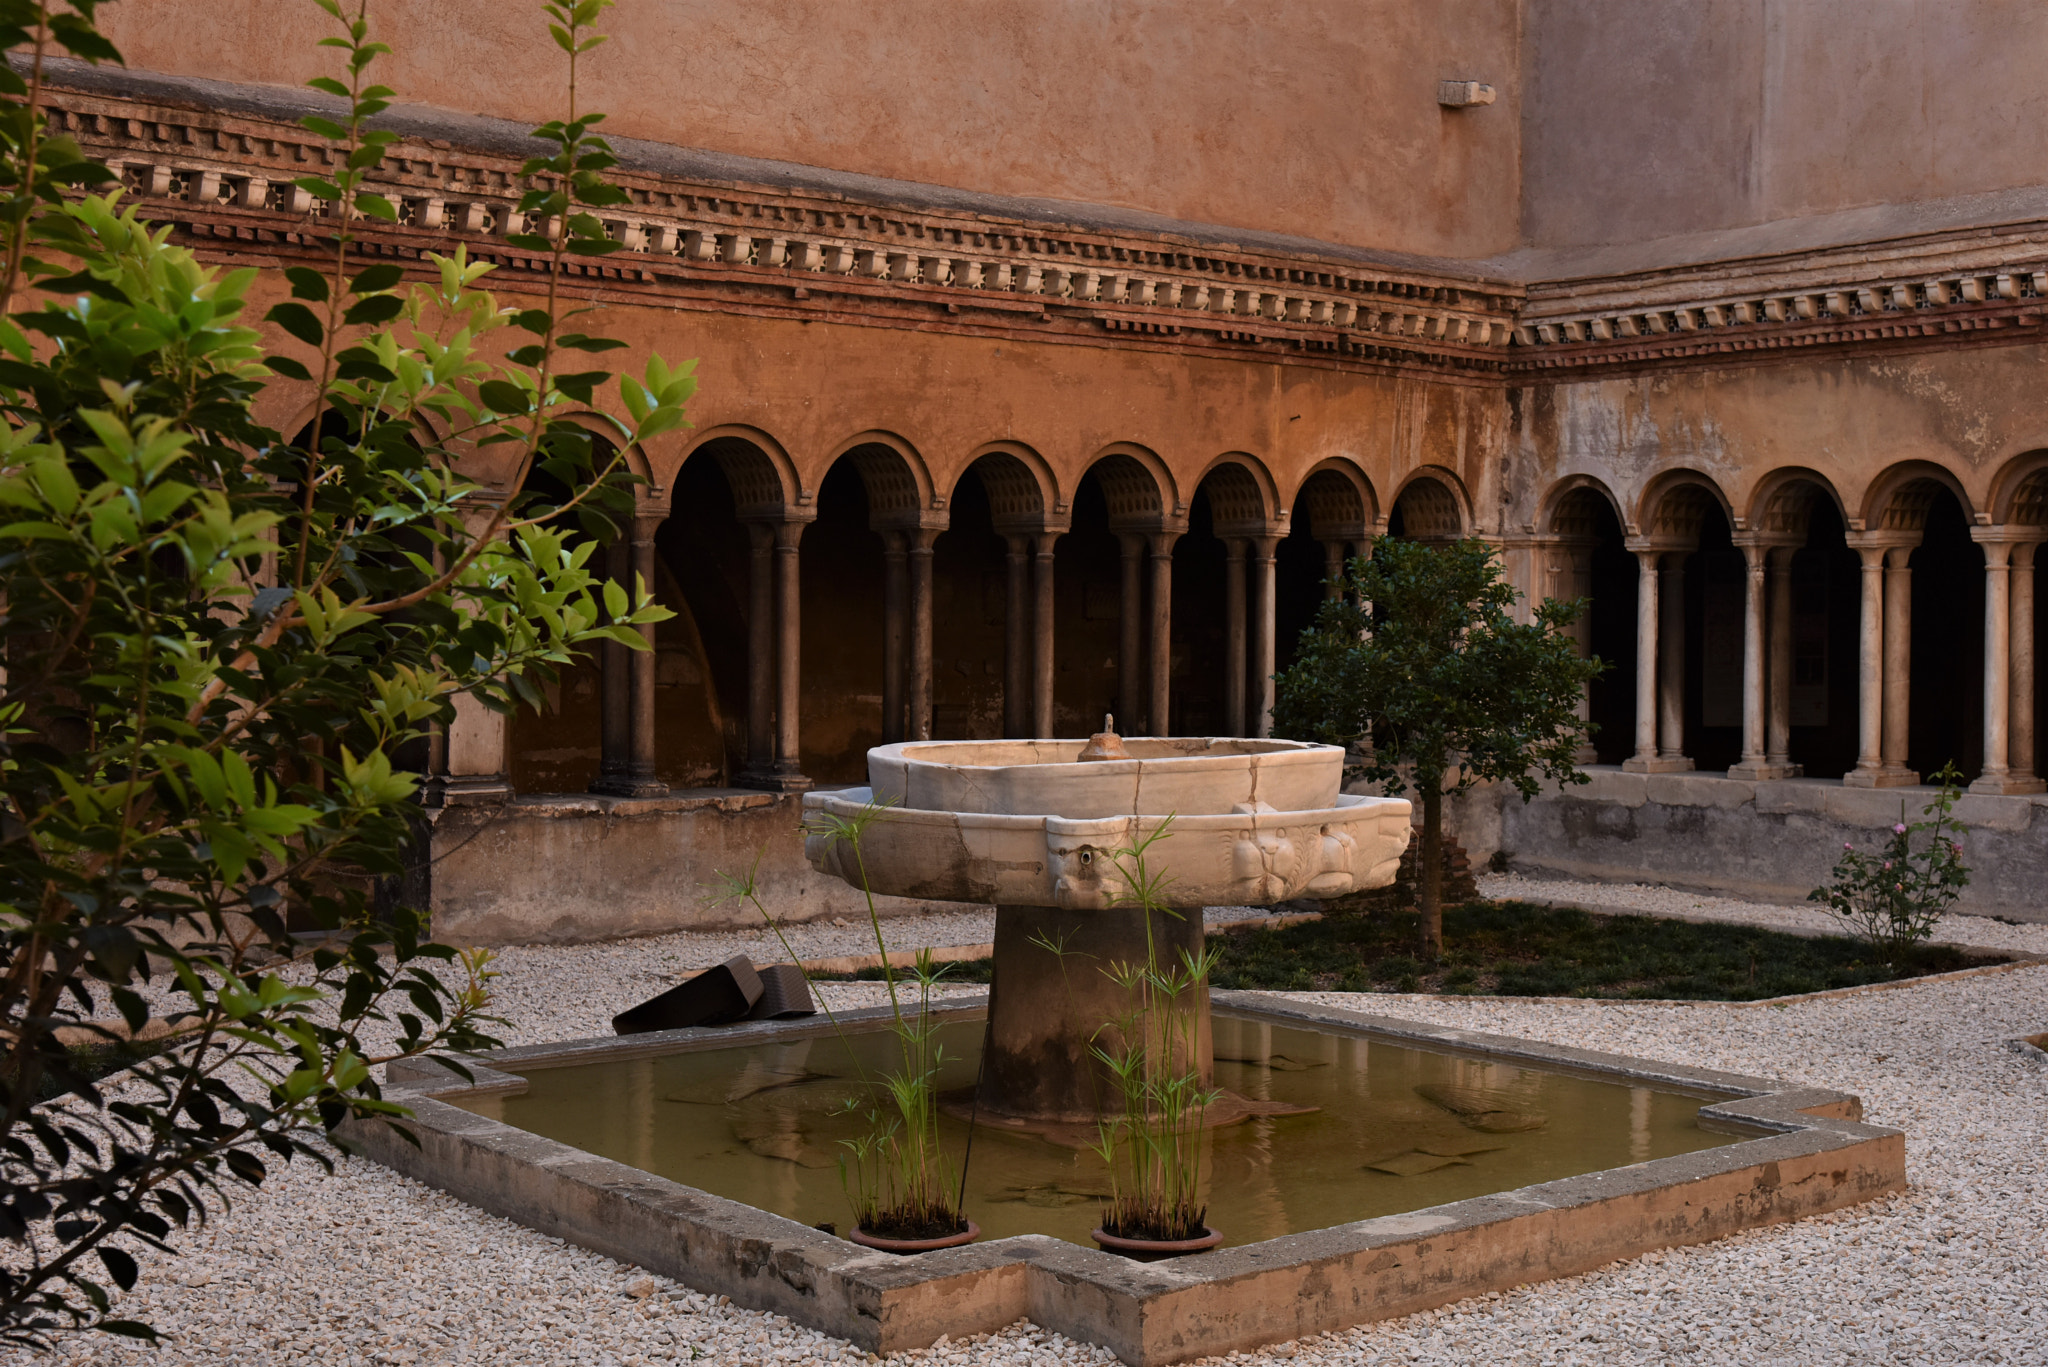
(1223, 559)
(1714, 585)
(1947, 715)
(970, 612)
(2028, 508)
(1113, 573)
(1824, 603)
(1591, 561)
(859, 658)
(1427, 510)
(1328, 527)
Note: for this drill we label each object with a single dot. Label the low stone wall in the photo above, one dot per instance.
(564, 868)
(1770, 842)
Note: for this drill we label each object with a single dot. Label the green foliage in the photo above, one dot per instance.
(897, 1178)
(1421, 667)
(1153, 1141)
(226, 655)
(1893, 898)
(1516, 949)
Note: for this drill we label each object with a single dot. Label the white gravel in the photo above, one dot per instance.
(368, 1268)
(1980, 931)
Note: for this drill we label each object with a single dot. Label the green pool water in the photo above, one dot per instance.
(1395, 1129)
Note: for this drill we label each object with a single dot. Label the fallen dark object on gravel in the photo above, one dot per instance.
(717, 996)
(785, 993)
(733, 991)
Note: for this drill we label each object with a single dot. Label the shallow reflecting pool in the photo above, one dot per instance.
(1395, 1128)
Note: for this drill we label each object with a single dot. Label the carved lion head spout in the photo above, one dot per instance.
(1085, 876)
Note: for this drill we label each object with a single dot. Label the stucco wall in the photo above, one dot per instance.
(1643, 120)
(1314, 117)
(1848, 420)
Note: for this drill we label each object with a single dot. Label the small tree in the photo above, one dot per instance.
(224, 651)
(1423, 660)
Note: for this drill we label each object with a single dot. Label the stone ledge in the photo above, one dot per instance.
(1811, 1158)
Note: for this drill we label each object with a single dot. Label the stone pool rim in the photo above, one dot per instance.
(1810, 1153)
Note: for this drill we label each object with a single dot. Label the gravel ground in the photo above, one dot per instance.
(1980, 931)
(368, 1268)
(689, 950)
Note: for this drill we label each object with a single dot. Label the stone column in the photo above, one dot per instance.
(2002, 698)
(1265, 632)
(1042, 637)
(1898, 666)
(1130, 660)
(615, 742)
(1997, 666)
(918, 724)
(626, 766)
(2022, 756)
(1157, 720)
(1236, 662)
(1671, 665)
(1645, 758)
(1754, 763)
(1333, 569)
(789, 774)
(895, 597)
(473, 758)
(1018, 671)
(1870, 674)
(641, 770)
(1778, 730)
(760, 770)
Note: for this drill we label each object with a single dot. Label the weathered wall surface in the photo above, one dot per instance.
(1847, 420)
(1771, 841)
(1648, 120)
(573, 869)
(1318, 119)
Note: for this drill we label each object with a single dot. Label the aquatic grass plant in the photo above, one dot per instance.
(1153, 1144)
(897, 1178)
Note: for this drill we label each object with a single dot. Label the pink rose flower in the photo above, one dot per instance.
(1899, 829)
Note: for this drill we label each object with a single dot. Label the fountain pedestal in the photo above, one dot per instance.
(1046, 1009)
(1029, 828)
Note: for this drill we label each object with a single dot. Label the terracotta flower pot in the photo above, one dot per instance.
(876, 1241)
(1154, 1250)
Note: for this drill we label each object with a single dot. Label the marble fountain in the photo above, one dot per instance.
(1363, 1167)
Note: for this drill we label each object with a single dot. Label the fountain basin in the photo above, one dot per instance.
(1800, 1151)
(1190, 775)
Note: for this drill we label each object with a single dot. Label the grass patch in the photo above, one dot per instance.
(1517, 949)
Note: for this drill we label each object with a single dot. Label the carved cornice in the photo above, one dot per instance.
(1934, 291)
(224, 180)
(222, 177)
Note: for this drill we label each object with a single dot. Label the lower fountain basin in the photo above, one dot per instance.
(1246, 858)
(1386, 1128)
(1805, 1152)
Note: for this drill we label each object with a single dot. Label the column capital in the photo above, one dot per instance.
(1886, 539)
(2008, 534)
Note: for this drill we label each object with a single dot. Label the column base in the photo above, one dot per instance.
(1661, 764)
(469, 790)
(2009, 784)
(621, 786)
(773, 781)
(1764, 771)
(1887, 777)
(1586, 754)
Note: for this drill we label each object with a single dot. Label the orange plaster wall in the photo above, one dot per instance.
(1312, 117)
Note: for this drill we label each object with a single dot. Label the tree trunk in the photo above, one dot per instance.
(1429, 888)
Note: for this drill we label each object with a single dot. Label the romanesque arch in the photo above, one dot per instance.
(995, 671)
(1431, 506)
